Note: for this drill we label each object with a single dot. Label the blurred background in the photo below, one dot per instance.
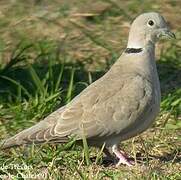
(90, 29)
(51, 50)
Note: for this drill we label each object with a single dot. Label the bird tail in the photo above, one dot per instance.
(38, 133)
(8, 143)
(42, 132)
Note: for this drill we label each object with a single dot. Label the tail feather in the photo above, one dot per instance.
(40, 133)
(25, 137)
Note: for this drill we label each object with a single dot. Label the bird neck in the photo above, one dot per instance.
(133, 50)
(139, 40)
(139, 46)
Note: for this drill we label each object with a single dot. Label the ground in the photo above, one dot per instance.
(49, 52)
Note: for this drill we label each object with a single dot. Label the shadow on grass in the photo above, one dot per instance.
(21, 74)
(173, 157)
(45, 71)
(169, 74)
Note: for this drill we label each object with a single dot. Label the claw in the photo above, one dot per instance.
(121, 155)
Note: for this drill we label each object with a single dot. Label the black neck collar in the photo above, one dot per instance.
(133, 50)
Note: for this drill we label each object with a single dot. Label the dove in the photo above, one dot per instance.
(123, 103)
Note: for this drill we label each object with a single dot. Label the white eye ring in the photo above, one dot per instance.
(151, 23)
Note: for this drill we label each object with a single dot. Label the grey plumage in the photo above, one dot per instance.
(120, 105)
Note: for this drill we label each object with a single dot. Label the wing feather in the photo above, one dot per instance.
(105, 108)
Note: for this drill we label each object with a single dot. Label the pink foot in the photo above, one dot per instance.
(123, 158)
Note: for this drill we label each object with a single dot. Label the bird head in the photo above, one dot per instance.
(146, 29)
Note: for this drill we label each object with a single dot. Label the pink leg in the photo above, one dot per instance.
(123, 158)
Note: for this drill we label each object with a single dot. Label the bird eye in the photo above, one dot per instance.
(151, 23)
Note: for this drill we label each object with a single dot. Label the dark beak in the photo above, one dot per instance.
(168, 34)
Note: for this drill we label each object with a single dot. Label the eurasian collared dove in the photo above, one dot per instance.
(120, 105)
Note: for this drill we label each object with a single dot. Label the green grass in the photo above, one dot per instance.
(39, 75)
